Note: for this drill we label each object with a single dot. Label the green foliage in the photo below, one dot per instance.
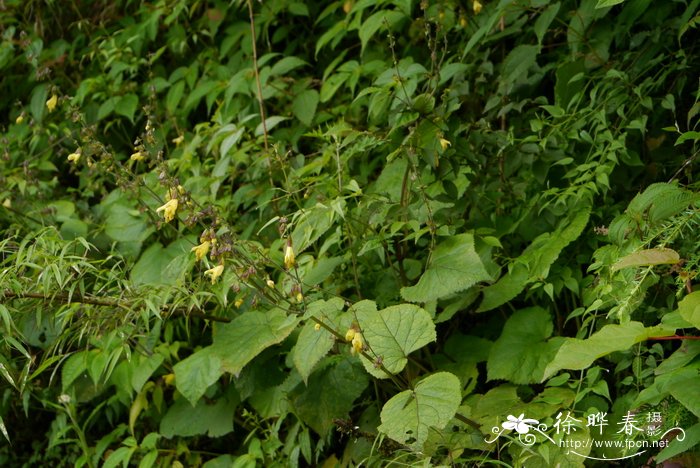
(346, 233)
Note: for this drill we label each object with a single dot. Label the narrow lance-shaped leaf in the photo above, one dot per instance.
(647, 257)
(577, 354)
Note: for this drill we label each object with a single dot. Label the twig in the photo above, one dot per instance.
(674, 337)
(80, 299)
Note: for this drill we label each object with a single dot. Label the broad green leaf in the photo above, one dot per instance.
(144, 369)
(213, 419)
(607, 3)
(506, 288)
(286, 65)
(270, 123)
(330, 394)
(107, 108)
(311, 225)
(454, 267)
(689, 307)
(121, 455)
(196, 373)
(544, 20)
(155, 266)
(662, 200)
(127, 105)
(577, 354)
(408, 416)
(537, 258)
(172, 100)
(659, 256)
(391, 334)
(239, 341)
(518, 61)
(376, 21)
(124, 224)
(521, 353)
(311, 346)
(37, 105)
(317, 272)
(74, 366)
(678, 446)
(304, 106)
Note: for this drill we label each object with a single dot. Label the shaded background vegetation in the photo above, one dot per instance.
(493, 199)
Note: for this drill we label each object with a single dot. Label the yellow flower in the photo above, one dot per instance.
(200, 251)
(270, 283)
(289, 259)
(137, 156)
(477, 6)
(7, 203)
(238, 303)
(74, 157)
(19, 119)
(317, 327)
(444, 143)
(300, 297)
(350, 334)
(169, 379)
(169, 209)
(214, 273)
(357, 343)
(178, 140)
(51, 103)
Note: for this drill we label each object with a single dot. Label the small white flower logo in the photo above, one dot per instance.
(520, 424)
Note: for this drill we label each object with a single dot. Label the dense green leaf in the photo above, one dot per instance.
(522, 353)
(578, 354)
(408, 416)
(454, 267)
(304, 106)
(238, 342)
(689, 308)
(658, 256)
(214, 419)
(195, 374)
(330, 393)
(537, 259)
(391, 334)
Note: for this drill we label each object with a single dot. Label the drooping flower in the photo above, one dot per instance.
(201, 250)
(19, 119)
(299, 297)
(169, 210)
(477, 6)
(289, 258)
(444, 143)
(357, 343)
(350, 334)
(317, 327)
(74, 157)
(137, 156)
(51, 103)
(178, 140)
(270, 283)
(214, 273)
(520, 424)
(238, 303)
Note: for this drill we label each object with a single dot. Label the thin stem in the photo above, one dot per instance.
(76, 298)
